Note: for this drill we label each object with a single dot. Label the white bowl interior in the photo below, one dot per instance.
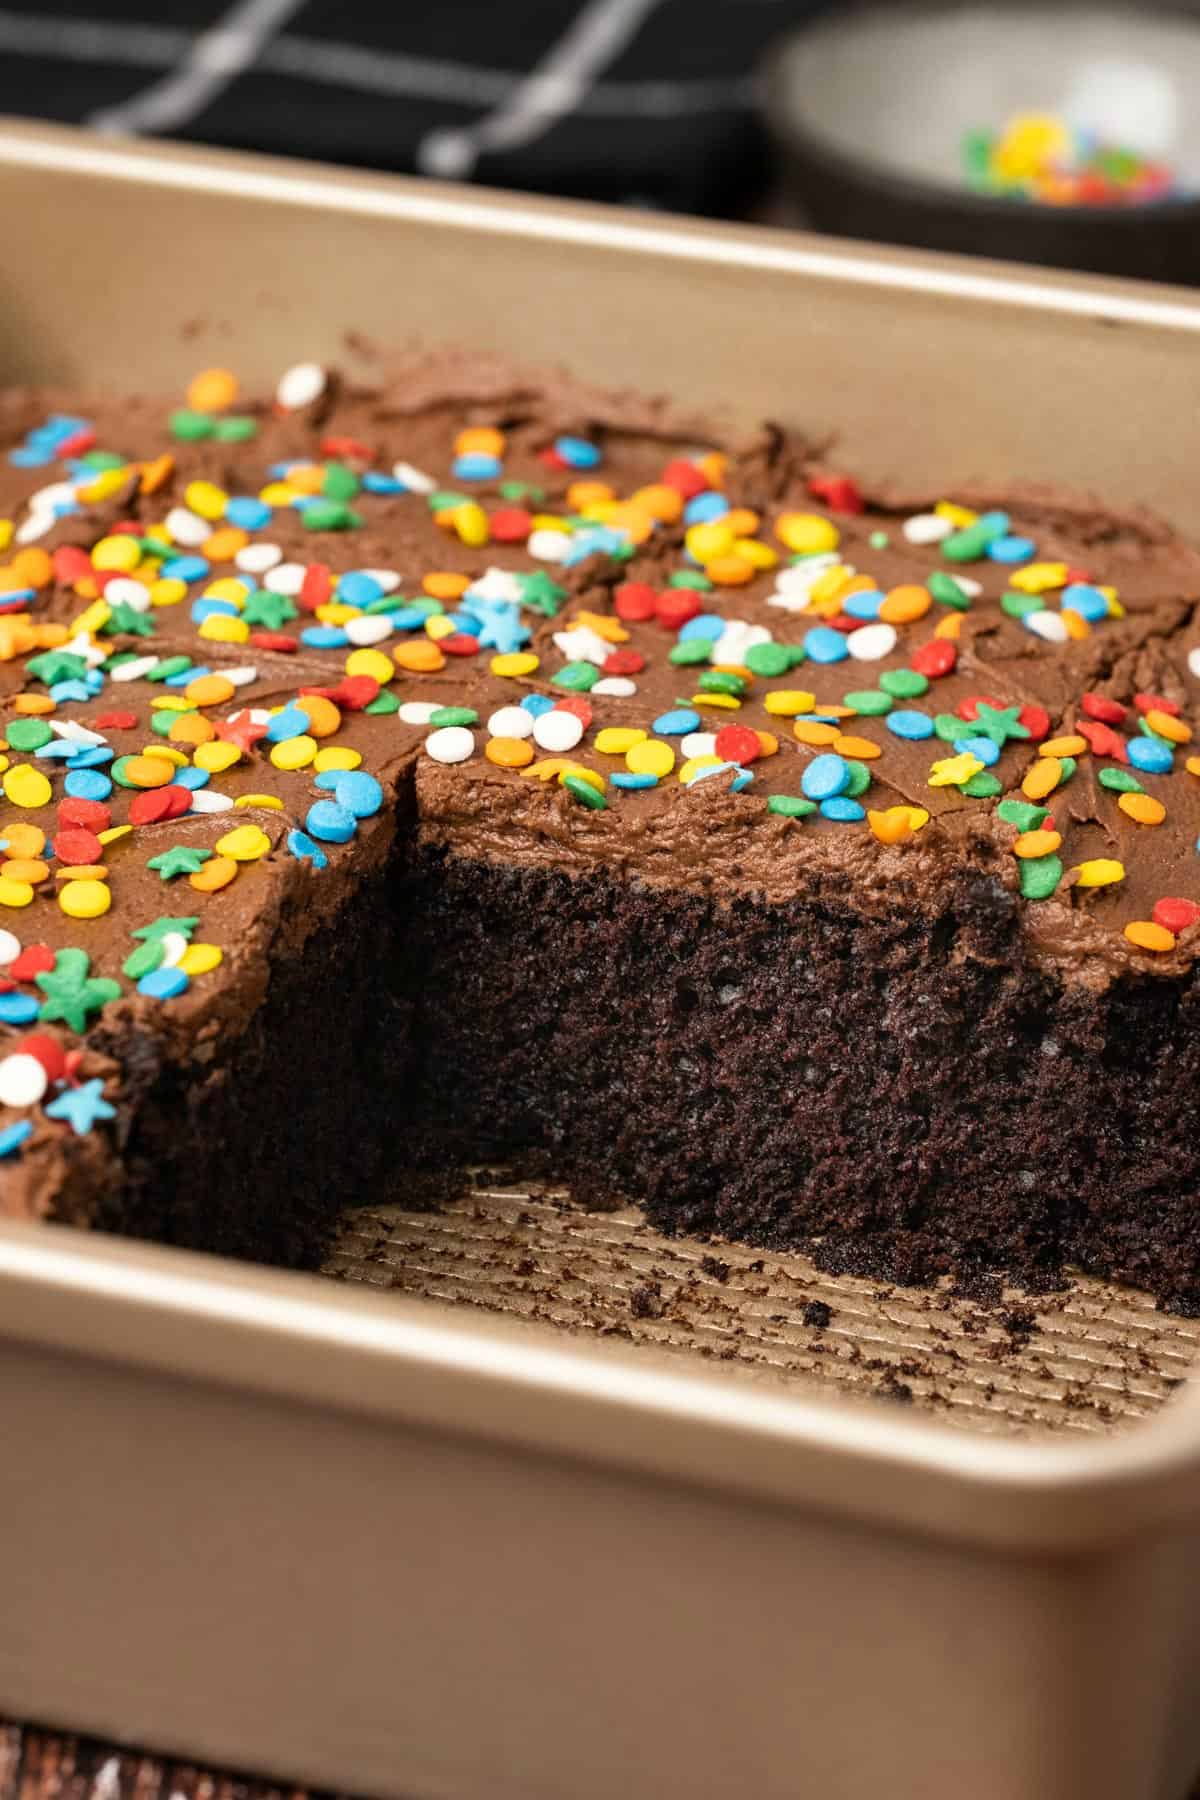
(901, 88)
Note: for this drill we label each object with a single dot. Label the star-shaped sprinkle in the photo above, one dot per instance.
(160, 927)
(500, 626)
(83, 1106)
(57, 665)
(81, 645)
(998, 723)
(70, 993)
(541, 592)
(180, 859)
(268, 610)
(123, 618)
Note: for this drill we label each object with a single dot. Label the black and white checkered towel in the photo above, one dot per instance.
(643, 100)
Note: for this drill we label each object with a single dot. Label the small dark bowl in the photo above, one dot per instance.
(869, 110)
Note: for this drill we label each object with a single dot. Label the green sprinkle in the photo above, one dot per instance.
(454, 715)
(387, 603)
(949, 727)
(28, 734)
(1120, 781)
(721, 681)
(1069, 766)
(1018, 605)
(768, 659)
(144, 960)
(577, 677)
(541, 592)
(790, 806)
(170, 665)
(691, 650)
(330, 515)
(339, 482)
(444, 501)
(1039, 875)
(1022, 813)
(189, 425)
(57, 665)
(903, 684)
(860, 778)
(879, 540)
(104, 459)
(585, 792)
(869, 702)
(386, 702)
(180, 859)
(983, 786)
(152, 546)
(947, 591)
(161, 722)
(235, 430)
(690, 578)
(117, 771)
(521, 490)
(967, 545)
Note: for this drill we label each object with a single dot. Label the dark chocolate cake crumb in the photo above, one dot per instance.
(817, 1313)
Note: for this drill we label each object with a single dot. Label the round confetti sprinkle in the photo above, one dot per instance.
(245, 843)
(451, 744)
(86, 899)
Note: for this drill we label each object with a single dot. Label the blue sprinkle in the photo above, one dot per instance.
(1150, 755)
(191, 778)
(278, 471)
(824, 645)
(163, 984)
(70, 690)
(353, 789)
(704, 625)
(191, 673)
(1086, 600)
(702, 509)
(677, 723)
(411, 618)
(248, 513)
(26, 457)
(324, 637)
(331, 823)
(359, 589)
(843, 809)
(13, 1136)
(475, 465)
(185, 568)
(18, 1009)
(862, 606)
(92, 756)
(375, 482)
(825, 777)
(993, 525)
(204, 609)
(537, 703)
(577, 453)
(624, 779)
(741, 777)
(910, 724)
(982, 748)
(17, 597)
(1011, 549)
(290, 723)
(303, 849)
(87, 784)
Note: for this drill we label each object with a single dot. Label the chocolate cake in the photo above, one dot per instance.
(462, 765)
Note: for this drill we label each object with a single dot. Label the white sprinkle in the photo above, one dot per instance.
(792, 603)
(1194, 661)
(370, 628)
(209, 800)
(511, 722)
(802, 577)
(871, 642)
(970, 587)
(134, 669)
(188, 527)
(736, 639)
(23, 1080)
(557, 731)
(417, 712)
(450, 744)
(927, 528)
(241, 677)
(388, 579)
(174, 945)
(57, 493)
(36, 526)
(582, 644)
(285, 578)
(699, 743)
(1049, 625)
(75, 733)
(620, 687)
(82, 645)
(495, 584)
(415, 480)
(126, 592)
(10, 948)
(300, 386)
(548, 545)
(256, 559)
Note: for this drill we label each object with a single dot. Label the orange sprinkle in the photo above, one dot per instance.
(1037, 843)
(209, 690)
(896, 823)
(949, 627)
(307, 478)
(863, 749)
(224, 545)
(16, 636)
(1144, 935)
(421, 656)
(192, 728)
(1144, 808)
(1193, 765)
(712, 465)
(508, 752)
(1077, 626)
(33, 568)
(50, 636)
(588, 493)
(1042, 778)
(323, 715)
(156, 474)
(23, 840)
(730, 571)
(33, 705)
(741, 521)
(661, 502)
(1163, 724)
(904, 604)
(75, 872)
(149, 771)
(216, 873)
(25, 868)
(767, 743)
(441, 584)
(1064, 746)
(213, 390)
(10, 581)
(611, 630)
(815, 731)
(480, 440)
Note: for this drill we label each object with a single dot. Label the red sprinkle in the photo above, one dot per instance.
(1103, 739)
(240, 729)
(459, 643)
(685, 478)
(968, 708)
(510, 525)
(624, 662)
(35, 959)
(316, 587)
(46, 1050)
(274, 640)
(77, 845)
(92, 813)
(1176, 915)
(77, 444)
(70, 563)
(839, 492)
(738, 744)
(347, 447)
(153, 804)
(676, 606)
(353, 692)
(634, 601)
(115, 721)
(935, 658)
(1036, 721)
(1155, 703)
(124, 528)
(577, 705)
(1099, 706)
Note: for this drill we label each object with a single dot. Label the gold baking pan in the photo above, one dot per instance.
(370, 1533)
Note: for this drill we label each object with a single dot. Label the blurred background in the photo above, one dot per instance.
(1063, 133)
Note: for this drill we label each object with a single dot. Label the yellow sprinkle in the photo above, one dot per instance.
(1037, 843)
(615, 740)
(113, 833)
(85, 899)
(27, 787)
(15, 893)
(6, 533)
(93, 618)
(807, 534)
(727, 702)
(216, 757)
(168, 592)
(167, 753)
(371, 662)
(245, 843)
(548, 767)
(121, 551)
(694, 764)
(611, 630)
(200, 959)
(959, 516)
(437, 625)
(271, 802)
(584, 774)
(755, 552)
(953, 770)
(708, 540)
(336, 612)
(470, 522)
(514, 662)
(277, 493)
(294, 753)
(1036, 578)
(1042, 778)
(206, 499)
(219, 628)
(785, 703)
(1145, 935)
(1064, 746)
(336, 756)
(1101, 871)
(650, 757)
(1166, 725)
